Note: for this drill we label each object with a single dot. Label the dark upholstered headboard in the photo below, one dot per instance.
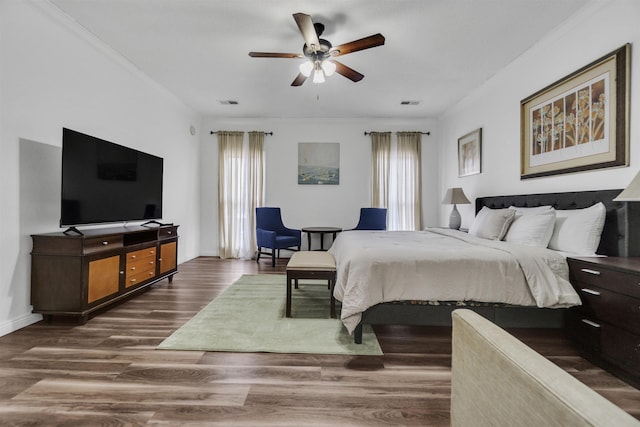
(621, 233)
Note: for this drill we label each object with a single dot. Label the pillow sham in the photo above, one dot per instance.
(492, 223)
(532, 229)
(578, 231)
(532, 210)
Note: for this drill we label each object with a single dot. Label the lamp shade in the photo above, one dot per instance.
(328, 67)
(306, 68)
(631, 193)
(455, 196)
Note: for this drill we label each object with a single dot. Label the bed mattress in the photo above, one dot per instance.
(444, 265)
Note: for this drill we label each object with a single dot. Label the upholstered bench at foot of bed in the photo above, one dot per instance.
(496, 380)
(311, 265)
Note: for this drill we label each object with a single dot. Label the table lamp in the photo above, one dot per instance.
(455, 196)
(631, 193)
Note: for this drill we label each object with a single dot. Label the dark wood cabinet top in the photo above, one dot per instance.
(623, 264)
(107, 231)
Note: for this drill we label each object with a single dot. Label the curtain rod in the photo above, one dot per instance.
(266, 133)
(423, 133)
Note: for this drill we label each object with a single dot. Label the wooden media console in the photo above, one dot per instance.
(76, 274)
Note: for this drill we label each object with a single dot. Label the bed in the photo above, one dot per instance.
(418, 278)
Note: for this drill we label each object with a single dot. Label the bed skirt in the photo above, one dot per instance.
(438, 313)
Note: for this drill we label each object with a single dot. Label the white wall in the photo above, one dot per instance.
(600, 28)
(313, 205)
(54, 75)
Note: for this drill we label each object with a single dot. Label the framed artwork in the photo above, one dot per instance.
(318, 163)
(470, 153)
(579, 122)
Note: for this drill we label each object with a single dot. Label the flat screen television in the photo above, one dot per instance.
(103, 182)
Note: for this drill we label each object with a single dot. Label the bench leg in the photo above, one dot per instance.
(288, 304)
(332, 301)
(357, 334)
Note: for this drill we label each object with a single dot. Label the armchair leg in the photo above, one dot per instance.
(258, 257)
(273, 258)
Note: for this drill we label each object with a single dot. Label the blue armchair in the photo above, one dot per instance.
(372, 219)
(272, 234)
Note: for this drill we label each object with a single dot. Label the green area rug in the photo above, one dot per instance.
(249, 317)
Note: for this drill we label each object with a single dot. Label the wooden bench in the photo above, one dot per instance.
(311, 265)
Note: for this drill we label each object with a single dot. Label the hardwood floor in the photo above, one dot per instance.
(107, 372)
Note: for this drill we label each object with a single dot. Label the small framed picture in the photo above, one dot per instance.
(470, 153)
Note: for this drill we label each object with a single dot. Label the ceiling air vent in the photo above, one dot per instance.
(409, 102)
(228, 102)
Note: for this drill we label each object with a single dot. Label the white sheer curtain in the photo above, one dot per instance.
(240, 190)
(405, 200)
(396, 178)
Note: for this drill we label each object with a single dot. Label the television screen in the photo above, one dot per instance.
(106, 182)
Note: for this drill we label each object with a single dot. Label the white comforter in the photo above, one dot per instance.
(444, 265)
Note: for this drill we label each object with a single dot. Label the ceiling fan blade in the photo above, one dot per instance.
(348, 72)
(356, 45)
(300, 78)
(275, 55)
(305, 24)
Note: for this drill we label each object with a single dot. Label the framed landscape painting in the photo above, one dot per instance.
(318, 163)
(579, 122)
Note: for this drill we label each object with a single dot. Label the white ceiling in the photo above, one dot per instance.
(436, 51)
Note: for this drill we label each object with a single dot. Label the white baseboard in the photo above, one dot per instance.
(13, 325)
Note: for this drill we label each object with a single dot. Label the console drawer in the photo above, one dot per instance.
(618, 309)
(138, 278)
(613, 280)
(142, 253)
(141, 265)
(99, 244)
(167, 232)
(584, 329)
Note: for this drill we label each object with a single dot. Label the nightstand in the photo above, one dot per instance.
(607, 325)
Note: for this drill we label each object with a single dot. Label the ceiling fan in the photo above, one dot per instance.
(320, 52)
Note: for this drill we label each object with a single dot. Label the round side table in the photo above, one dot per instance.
(321, 231)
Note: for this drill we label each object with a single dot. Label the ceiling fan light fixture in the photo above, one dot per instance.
(318, 74)
(306, 68)
(328, 67)
(318, 51)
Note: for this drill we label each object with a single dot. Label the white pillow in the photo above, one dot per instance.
(532, 229)
(533, 210)
(492, 223)
(578, 231)
(475, 224)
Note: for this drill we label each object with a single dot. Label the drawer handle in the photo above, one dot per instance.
(152, 252)
(133, 268)
(133, 257)
(590, 291)
(589, 271)
(150, 262)
(590, 323)
(105, 243)
(135, 280)
(168, 232)
(151, 273)
(160, 259)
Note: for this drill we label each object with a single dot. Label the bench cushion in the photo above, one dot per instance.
(312, 260)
